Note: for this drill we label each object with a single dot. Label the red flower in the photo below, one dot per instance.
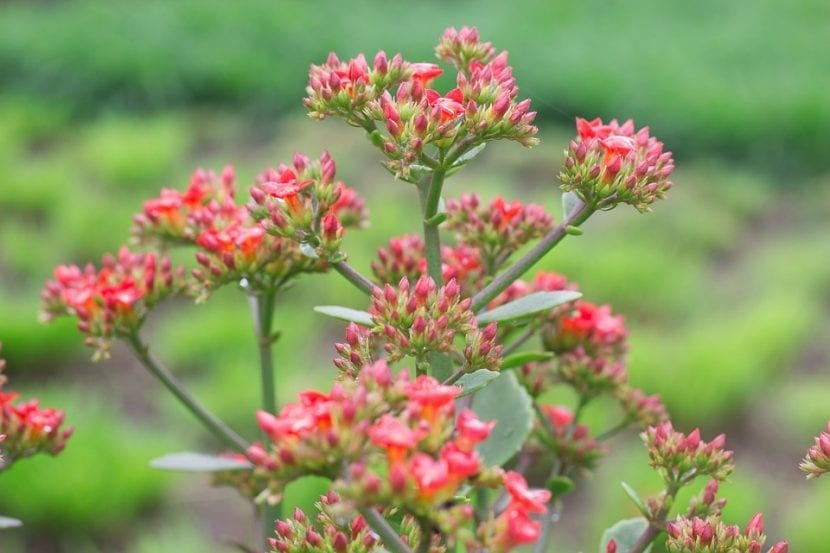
(425, 72)
(534, 501)
(521, 528)
(430, 475)
(394, 436)
(430, 396)
(471, 430)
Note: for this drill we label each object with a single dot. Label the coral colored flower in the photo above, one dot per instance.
(394, 436)
(431, 475)
(425, 72)
(471, 430)
(559, 416)
(430, 396)
(534, 501)
(521, 528)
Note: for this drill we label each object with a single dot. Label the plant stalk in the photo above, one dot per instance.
(262, 309)
(429, 192)
(210, 421)
(350, 273)
(578, 215)
(387, 534)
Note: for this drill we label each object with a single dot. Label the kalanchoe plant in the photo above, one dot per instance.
(435, 434)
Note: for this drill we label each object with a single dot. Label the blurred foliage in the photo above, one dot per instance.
(725, 286)
(709, 76)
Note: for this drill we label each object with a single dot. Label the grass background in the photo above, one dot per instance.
(726, 286)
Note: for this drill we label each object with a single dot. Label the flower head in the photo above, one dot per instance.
(817, 460)
(114, 300)
(611, 163)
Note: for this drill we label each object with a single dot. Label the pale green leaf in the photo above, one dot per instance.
(508, 403)
(187, 461)
(346, 314)
(475, 381)
(625, 533)
(527, 305)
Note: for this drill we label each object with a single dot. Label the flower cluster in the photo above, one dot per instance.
(711, 535)
(304, 203)
(27, 429)
(404, 256)
(173, 217)
(384, 440)
(570, 442)
(345, 88)
(112, 301)
(338, 530)
(498, 228)
(817, 460)
(611, 163)
(679, 457)
(406, 122)
(463, 47)
(514, 526)
(417, 319)
(591, 345)
(706, 503)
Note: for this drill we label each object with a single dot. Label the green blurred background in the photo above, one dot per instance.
(726, 286)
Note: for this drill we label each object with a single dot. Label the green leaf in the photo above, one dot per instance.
(475, 381)
(508, 403)
(635, 498)
(527, 305)
(468, 155)
(187, 461)
(440, 365)
(560, 485)
(346, 314)
(8, 522)
(522, 358)
(625, 533)
(569, 201)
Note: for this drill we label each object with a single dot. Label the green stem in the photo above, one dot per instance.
(518, 342)
(576, 217)
(350, 273)
(390, 538)
(262, 309)
(429, 192)
(215, 425)
(658, 522)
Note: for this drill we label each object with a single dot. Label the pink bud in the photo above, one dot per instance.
(780, 547)
(313, 538)
(611, 547)
(824, 443)
(755, 526)
(283, 528)
(381, 64)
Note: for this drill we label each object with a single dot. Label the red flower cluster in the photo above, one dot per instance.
(173, 217)
(462, 48)
(514, 526)
(113, 301)
(404, 123)
(570, 443)
(497, 229)
(338, 530)
(304, 203)
(817, 461)
(344, 88)
(417, 319)
(710, 535)
(591, 347)
(404, 256)
(677, 456)
(384, 440)
(27, 429)
(611, 163)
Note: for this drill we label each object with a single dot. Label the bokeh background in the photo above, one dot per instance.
(726, 286)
